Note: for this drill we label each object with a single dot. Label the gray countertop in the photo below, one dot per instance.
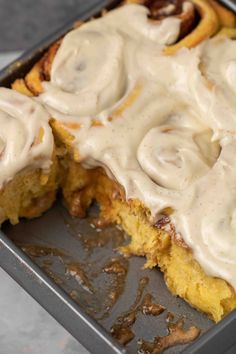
(24, 23)
(26, 328)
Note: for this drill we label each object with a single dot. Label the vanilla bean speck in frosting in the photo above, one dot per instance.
(167, 129)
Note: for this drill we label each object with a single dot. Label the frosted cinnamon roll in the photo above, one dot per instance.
(27, 163)
(198, 20)
(161, 9)
(212, 87)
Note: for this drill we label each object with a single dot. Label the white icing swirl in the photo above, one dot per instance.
(163, 121)
(201, 76)
(93, 78)
(22, 120)
(172, 157)
(88, 72)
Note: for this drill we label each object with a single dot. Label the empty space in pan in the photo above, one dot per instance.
(85, 262)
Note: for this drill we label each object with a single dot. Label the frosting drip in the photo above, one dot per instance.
(167, 124)
(25, 137)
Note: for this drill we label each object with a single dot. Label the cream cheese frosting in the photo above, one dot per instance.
(25, 137)
(167, 128)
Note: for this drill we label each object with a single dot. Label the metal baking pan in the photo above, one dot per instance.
(65, 264)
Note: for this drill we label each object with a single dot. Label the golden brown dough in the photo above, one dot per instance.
(29, 194)
(207, 26)
(226, 17)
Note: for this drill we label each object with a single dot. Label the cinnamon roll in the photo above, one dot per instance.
(151, 136)
(193, 29)
(28, 167)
